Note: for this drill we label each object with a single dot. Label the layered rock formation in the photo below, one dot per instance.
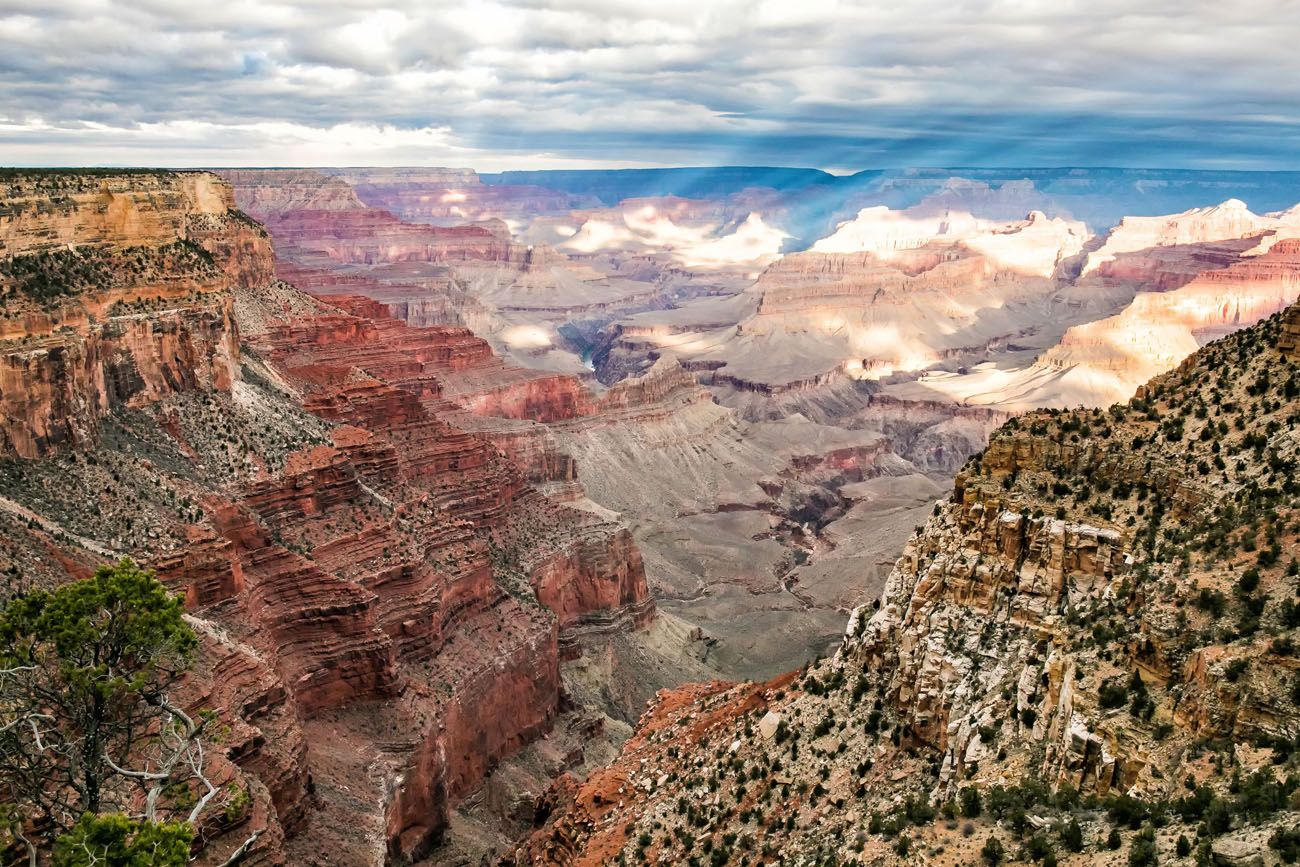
(1174, 282)
(117, 292)
(1223, 222)
(747, 547)
(334, 233)
(1089, 646)
(1158, 330)
(1206, 273)
(382, 597)
(889, 292)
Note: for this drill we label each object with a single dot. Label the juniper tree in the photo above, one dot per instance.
(92, 746)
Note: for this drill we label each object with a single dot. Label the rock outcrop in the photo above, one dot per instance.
(1095, 632)
(117, 292)
(1229, 220)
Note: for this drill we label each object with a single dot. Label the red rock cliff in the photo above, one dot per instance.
(342, 547)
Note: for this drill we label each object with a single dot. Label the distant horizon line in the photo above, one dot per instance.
(607, 170)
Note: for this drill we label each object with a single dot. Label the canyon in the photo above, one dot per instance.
(290, 465)
(1085, 654)
(463, 477)
(836, 387)
(736, 523)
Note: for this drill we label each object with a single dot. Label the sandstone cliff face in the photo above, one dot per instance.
(345, 552)
(47, 210)
(267, 193)
(117, 292)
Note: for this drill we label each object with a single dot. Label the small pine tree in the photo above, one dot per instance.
(1072, 836)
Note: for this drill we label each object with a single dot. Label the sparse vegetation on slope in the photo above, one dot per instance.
(1087, 655)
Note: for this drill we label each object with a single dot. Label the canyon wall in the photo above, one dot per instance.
(117, 292)
(376, 615)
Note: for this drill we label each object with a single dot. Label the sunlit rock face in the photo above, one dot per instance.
(888, 292)
(1033, 246)
(1226, 221)
(116, 292)
(1200, 275)
(1159, 329)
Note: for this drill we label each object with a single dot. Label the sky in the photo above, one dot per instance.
(519, 84)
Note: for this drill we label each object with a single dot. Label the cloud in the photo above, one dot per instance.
(648, 82)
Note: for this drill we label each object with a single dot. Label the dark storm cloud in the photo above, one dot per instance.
(537, 83)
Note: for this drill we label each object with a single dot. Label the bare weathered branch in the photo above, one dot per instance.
(139, 775)
(238, 854)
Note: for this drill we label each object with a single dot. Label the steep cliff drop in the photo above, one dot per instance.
(1087, 653)
(382, 597)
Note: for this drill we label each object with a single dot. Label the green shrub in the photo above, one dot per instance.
(970, 802)
(113, 840)
(1112, 694)
(1072, 836)
(1286, 842)
(1142, 852)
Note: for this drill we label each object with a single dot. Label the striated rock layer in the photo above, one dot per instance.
(118, 294)
(889, 291)
(382, 598)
